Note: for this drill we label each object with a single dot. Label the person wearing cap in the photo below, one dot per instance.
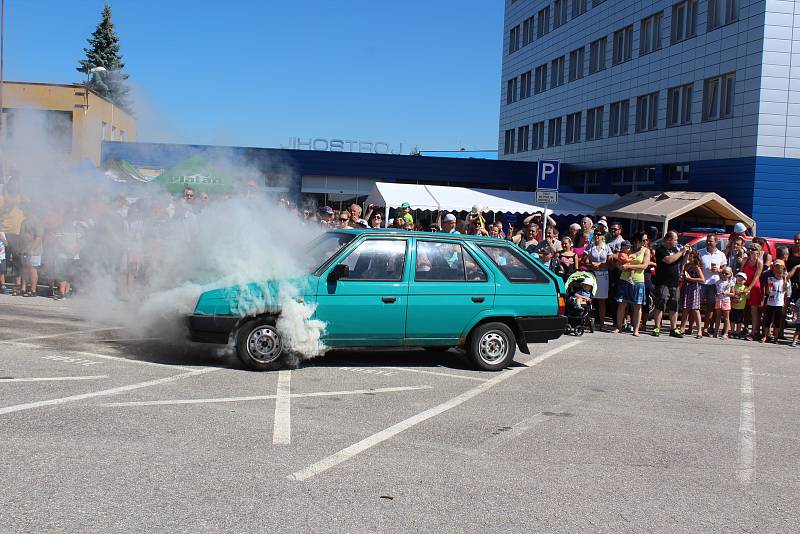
(326, 214)
(405, 209)
(449, 224)
(738, 304)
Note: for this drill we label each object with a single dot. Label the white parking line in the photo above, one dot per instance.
(74, 332)
(52, 378)
(450, 375)
(747, 426)
(282, 426)
(268, 397)
(351, 451)
(113, 391)
(102, 356)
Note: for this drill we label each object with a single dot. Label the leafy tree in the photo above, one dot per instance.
(103, 52)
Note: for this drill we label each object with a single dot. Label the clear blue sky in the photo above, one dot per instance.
(424, 73)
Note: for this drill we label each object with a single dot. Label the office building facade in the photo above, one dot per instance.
(697, 95)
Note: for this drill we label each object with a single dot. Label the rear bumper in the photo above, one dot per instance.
(541, 329)
(211, 328)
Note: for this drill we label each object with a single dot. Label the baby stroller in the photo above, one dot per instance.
(581, 287)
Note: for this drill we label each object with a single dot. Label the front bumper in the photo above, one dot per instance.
(211, 328)
(541, 329)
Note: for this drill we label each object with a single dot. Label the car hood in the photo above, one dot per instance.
(254, 297)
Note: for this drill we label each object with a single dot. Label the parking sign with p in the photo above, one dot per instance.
(547, 174)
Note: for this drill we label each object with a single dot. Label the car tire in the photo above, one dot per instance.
(491, 346)
(259, 345)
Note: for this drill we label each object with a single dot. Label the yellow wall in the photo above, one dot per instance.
(87, 123)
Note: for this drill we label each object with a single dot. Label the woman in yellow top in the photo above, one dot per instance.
(631, 283)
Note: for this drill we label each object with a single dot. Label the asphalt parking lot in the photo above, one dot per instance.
(107, 432)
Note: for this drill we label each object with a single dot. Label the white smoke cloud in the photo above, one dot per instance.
(146, 256)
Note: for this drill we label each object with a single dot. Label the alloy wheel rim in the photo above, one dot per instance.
(492, 347)
(264, 344)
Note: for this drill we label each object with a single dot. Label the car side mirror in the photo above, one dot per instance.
(340, 271)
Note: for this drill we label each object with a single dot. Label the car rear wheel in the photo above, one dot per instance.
(491, 346)
(259, 345)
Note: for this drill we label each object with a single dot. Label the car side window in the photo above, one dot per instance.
(514, 266)
(446, 262)
(377, 260)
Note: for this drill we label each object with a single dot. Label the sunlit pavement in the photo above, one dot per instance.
(105, 432)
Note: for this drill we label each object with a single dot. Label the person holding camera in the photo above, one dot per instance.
(670, 258)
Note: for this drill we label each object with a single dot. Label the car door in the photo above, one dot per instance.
(369, 306)
(448, 289)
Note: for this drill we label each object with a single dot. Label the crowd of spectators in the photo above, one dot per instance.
(744, 291)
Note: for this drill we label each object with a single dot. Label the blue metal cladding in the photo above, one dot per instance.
(296, 163)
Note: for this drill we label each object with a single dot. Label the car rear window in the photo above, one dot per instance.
(514, 266)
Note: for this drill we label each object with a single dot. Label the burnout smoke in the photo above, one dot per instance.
(145, 255)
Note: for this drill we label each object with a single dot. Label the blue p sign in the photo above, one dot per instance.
(547, 174)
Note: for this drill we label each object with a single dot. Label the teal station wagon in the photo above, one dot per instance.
(386, 288)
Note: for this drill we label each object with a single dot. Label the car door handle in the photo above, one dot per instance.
(478, 299)
(389, 300)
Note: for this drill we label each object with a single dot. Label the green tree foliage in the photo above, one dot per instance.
(103, 52)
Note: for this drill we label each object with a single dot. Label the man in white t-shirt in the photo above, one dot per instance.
(713, 261)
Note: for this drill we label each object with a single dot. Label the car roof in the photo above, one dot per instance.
(413, 233)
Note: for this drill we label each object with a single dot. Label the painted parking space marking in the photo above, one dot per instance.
(379, 437)
(747, 426)
(72, 333)
(67, 359)
(102, 393)
(450, 375)
(368, 370)
(282, 425)
(96, 355)
(269, 397)
(52, 378)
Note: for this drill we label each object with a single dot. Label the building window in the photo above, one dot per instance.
(557, 72)
(633, 176)
(647, 112)
(678, 174)
(540, 79)
(122, 135)
(650, 34)
(718, 94)
(559, 13)
(722, 12)
(508, 144)
(554, 132)
(513, 39)
(525, 85)
(538, 135)
(597, 55)
(528, 29)
(578, 8)
(511, 91)
(103, 130)
(522, 138)
(543, 18)
(684, 20)
(679, 105)
(623, 45)
(618, 118)
(573, 128)
(113, 133)
(576, 64)
(594, 123)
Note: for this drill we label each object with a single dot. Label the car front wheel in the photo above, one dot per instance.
(259, 345)
(491, 346)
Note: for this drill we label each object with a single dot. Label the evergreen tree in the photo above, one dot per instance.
(104, 52)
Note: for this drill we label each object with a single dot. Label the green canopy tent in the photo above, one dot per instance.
(197, 173)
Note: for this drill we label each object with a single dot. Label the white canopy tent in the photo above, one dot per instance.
(449, 198)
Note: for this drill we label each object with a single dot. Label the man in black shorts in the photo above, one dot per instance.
(669, 259)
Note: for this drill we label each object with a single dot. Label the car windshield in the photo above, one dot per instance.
(684, 239)
(319, 251)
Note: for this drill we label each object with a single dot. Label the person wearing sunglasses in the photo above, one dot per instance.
(344, 219)
(376, 220)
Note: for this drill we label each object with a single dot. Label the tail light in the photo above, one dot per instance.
(562, 305)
